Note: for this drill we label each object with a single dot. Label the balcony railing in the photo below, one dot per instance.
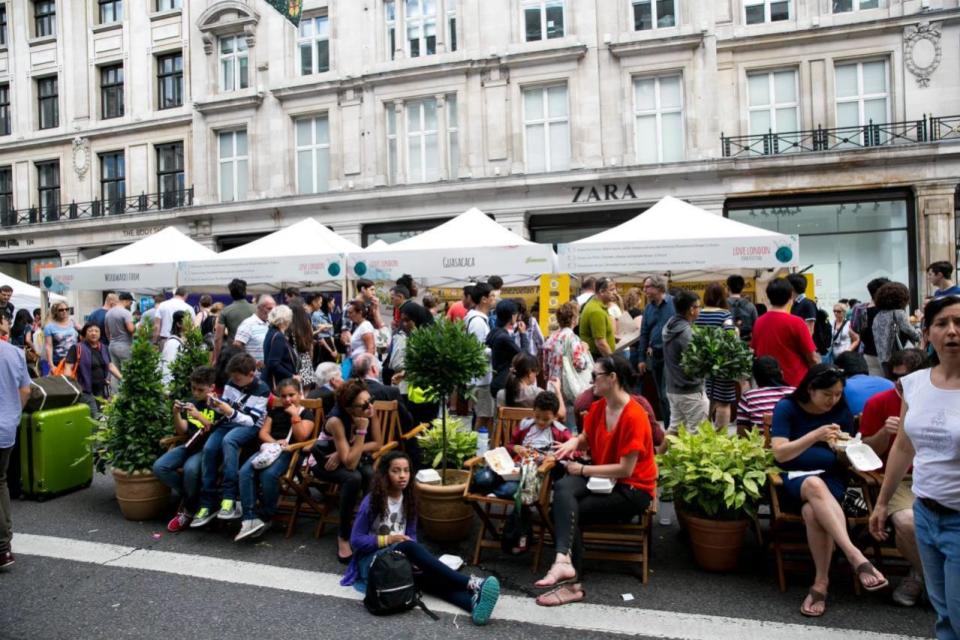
(131, 205)
(870, 135)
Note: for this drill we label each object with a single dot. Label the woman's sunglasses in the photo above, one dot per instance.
(362, 407)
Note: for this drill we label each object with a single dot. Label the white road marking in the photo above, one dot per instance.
(582, 616)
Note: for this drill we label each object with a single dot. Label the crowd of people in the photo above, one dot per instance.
(869, 369)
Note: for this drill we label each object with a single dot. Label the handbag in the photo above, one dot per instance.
(574, 382)
(269, 452)
(530, 481)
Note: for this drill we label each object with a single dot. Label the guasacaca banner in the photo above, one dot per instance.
(290, 9)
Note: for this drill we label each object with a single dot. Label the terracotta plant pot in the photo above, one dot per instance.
(716, 543)
(140, 495)
(442, 513)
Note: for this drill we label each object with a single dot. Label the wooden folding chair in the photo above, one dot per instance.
(626, 542)
(294, 489)
(492, 511)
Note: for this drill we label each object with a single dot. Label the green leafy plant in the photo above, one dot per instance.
(716, 475)
(461, 442)
(135, 420)
(442, 358)
(193, 353)
(716, 353)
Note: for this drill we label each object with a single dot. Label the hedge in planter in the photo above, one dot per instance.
(193, 353)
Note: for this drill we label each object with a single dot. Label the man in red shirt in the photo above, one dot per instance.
(879, 425)
(458, 310)
(784, 336)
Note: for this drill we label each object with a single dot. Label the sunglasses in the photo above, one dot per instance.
(594, 375)
(363, 407)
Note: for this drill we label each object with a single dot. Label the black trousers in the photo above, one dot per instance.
(353, 484)
(574, 505)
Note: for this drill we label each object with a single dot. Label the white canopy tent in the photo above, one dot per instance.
(675, 236)
(469, 247)
(26, 296)
(303, 254)
(148, 264)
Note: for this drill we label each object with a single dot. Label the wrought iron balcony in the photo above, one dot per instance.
(927, 129)
(143, 203)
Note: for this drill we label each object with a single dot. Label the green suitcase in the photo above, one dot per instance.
(55, 452)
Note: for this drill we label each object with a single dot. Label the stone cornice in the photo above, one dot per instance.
(119, 128)
(229, 103)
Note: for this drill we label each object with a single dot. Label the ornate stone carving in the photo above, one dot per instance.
(922, 50)
(81, 156)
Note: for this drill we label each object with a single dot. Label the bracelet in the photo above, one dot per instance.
(296, 420)
(360, 433)
(381, 541)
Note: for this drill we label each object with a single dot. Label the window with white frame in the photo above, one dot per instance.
(543, 19)
(453, 137)
(234, 63)
(654, 14)
(313, 154)
(760, 11)
(546, 124)
(774, 104)
(314, 42)
(233, 165)
(844, 6)
(423, 141)
(421, 24)
(393, 156)
(863, 97)
(423, 137)
(658, 111)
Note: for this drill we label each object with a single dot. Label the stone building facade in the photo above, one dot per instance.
(835, 119)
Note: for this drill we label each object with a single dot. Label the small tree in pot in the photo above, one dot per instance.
(193, 353)
(133, 423)
(716, 353)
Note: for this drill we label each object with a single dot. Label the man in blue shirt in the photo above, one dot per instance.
(14, 392)
(938, 274)
(859, 386)
(648, 352)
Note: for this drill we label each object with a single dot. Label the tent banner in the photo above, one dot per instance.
(304, 269)
(454, 263)
(110, 278)
(289, 9)
(680, 255)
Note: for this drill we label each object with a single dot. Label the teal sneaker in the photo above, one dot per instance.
(484, 600)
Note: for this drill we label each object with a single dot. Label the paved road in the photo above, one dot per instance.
(84, 572)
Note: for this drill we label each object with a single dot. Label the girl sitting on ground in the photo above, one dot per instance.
(387, 519)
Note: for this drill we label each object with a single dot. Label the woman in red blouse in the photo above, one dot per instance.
(618, 438)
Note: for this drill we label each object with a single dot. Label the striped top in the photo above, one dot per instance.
(756, 402)
(714, 317)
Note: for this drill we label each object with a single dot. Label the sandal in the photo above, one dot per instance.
(815, 597)
(553, 579)
(563, 594)
(867, 567)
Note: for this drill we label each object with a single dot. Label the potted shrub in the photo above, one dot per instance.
(442, 358)
(717, 481)
(128, 440)
(718, 353)
(193, 353)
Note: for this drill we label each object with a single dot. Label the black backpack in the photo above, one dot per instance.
(742, 316)
(391, 587)
(822, 333)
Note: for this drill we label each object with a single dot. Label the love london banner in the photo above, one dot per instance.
(289, 8)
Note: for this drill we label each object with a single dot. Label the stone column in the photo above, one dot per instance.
(352, 231)
(935, 224)
(516, 221)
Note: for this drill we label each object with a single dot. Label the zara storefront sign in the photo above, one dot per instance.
(603, 193)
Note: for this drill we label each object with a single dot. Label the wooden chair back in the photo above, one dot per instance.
(765, 427)
(388, 416)
(508, 418)
(318, 418)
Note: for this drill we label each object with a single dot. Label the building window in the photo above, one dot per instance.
(654, 14)
(430, 142)
(546, 124)
(3, 25)
(422, 22)
(760, 11)
(113, 182)
(170, 177)
(233, 166)
(111, 11)
(452, 27)
(5, 110)
(111, 91)
(774, 104)
(543, 19)
(48, 180)
(423, 143)
(49, 103)
(314, 45)
(170, 80)
(453, 137)
(45, 18)
(863, 98)
(234, 71)
(7, 214)
(658, 105)
(844, 6)
(313, 154)
(167, 5)
(392, 157)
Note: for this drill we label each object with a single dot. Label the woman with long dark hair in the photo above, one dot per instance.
(300, 333)
(323, 327)
(891, 324)
(805, 426)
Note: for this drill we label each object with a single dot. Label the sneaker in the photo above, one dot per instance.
(908, 592)
(266, 527)
(484, 600)
(230, 510)
(250, 528)
(202, 517)
(179, 522)
(6, 560)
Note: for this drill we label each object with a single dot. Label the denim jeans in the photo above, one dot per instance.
(436, 578)
(656, 364)
(223, 444)
(938, 539)
(187, 485)
(269, 486)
